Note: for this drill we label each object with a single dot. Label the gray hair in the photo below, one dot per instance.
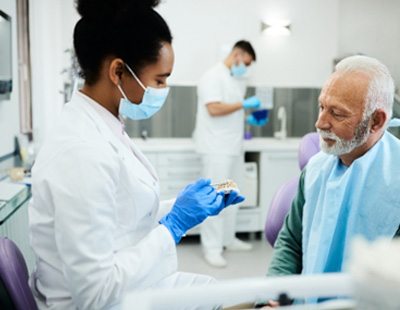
(381, 87)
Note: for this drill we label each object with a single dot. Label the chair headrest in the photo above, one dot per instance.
(309, 146)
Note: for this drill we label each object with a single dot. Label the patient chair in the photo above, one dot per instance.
(308, 147)
(15, 292)
(283, 198)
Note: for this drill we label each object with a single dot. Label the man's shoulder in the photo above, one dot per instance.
(216, 70)
(212, 76)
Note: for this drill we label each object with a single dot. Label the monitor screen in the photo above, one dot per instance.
(5, 56)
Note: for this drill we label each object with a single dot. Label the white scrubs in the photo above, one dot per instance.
(219, 139)
(94, 216)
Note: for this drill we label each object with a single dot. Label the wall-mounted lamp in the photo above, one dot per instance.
(276, 28)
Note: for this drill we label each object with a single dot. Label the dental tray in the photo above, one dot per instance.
(226, 186)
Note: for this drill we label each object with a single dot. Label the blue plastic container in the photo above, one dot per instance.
(260, 115)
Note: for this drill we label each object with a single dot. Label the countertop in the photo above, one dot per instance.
(11, 205)
(187, 144)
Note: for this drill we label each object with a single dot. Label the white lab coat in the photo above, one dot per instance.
(219, 140)
(222, 135)
(94, 217)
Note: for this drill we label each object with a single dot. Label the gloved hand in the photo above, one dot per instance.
(193, 205)
(251, 103)
(233, 198)
(251, 120)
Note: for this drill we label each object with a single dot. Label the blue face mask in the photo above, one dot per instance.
(238, 70)
(152, 102)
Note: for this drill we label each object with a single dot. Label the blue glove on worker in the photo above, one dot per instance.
(251, 103)
(251, 120)
(194, 204)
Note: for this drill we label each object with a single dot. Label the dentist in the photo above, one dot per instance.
(97, 226)
(218, 137)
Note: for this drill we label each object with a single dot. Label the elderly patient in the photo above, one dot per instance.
(352, 187)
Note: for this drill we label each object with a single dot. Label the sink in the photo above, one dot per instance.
(282, 133)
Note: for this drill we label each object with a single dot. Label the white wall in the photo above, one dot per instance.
(373, 28)
(9, 109)
(46, 20)
(321, 31)
(202, 27)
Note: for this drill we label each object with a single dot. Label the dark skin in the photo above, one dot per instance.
(113, 72)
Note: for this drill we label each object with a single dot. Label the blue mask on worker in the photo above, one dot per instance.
(152, 102)
(238, 70)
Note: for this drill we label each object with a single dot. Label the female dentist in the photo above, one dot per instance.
(97, 225)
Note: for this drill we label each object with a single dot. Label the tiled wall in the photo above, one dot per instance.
(177, 117)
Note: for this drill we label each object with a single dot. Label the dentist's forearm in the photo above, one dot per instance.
(221, 108)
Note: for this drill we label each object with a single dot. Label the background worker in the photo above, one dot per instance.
(218, 136)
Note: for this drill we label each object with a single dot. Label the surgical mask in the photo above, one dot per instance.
(152, 102)
(238, 70)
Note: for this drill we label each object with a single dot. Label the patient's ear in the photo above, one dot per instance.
(379, 118)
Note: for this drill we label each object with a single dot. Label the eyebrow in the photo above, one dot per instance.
(167, 74)
(336, 107)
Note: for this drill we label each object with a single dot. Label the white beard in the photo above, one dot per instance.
(341, 146)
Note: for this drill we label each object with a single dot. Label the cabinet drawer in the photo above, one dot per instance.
(172, 187)
(194, 231)
(167, 195)
(248, 221)
(179, 173)
(179, 159)
(282, 156)
(152, 158)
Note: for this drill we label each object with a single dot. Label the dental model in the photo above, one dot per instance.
(226, 186)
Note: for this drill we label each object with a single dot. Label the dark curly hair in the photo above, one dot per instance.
(129, 29)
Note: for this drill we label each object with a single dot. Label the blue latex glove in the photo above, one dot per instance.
(194, 204)
(251, 103)
(251, 120)
(233, 198)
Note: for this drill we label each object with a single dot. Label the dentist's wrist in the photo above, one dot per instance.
(175, 231)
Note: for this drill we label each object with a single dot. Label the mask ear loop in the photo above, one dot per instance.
(120, 89)
(134, 75)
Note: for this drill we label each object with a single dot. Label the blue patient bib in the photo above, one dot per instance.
(344, 202)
